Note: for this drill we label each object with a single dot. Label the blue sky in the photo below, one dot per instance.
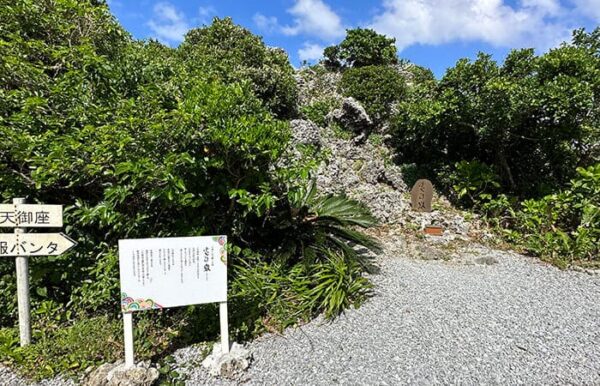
(431, 33)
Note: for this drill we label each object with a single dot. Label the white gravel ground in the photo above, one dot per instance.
(434, 322)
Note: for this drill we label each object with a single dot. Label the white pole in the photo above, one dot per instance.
(22, 266)
(224, 327)
(128, 332)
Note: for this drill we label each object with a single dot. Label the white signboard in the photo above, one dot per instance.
(31, 216)
(34, 244)
(171, 272)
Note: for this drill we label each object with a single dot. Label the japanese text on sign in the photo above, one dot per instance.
(34, 244)
(30, 216)
(170, 272)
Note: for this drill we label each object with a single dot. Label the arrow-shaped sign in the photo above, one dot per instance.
(34, 244)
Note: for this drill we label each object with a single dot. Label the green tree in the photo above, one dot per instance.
(362, 47)
(376, 87)
(535, 119)
(233, 54)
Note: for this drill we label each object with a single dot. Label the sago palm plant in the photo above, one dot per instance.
(313, 227)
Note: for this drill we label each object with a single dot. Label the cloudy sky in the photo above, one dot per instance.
(432, 33)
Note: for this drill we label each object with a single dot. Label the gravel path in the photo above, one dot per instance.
(438, 322)
(435, 322)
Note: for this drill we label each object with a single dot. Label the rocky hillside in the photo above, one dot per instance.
(359, 164)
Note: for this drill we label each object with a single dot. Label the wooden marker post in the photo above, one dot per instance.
(22, 265)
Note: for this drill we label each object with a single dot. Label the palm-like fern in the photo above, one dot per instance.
(316, 226)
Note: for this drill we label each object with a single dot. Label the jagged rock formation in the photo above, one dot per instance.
(316, 83)
(306, 132)
(362, 168)
(360, 171)
(352, 116)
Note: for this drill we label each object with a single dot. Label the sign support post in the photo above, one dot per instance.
(224, 327)
(22, 266)
(128, 332)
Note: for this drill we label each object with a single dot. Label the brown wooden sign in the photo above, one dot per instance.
(421, 195)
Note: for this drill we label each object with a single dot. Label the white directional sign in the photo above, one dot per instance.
(21, 245)
(30, 216)
(34, 244)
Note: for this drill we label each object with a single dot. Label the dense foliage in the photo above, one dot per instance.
(533, 119)
(233, 54)
(361, 47)
(377, 88)
(562, 227)
(137, 139)
(493, 135)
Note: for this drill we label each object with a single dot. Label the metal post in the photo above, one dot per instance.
(128, 332)
(22, 265)
(224, 327)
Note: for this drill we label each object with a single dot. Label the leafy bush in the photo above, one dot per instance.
(233, 54)
(361, 47)
(534, 119)
(473, 182)
(283, 296)
(560, 227)
(308, 228)
(376, 87)
(318, 110)
(131, 144)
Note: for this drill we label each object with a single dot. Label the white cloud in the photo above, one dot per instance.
(589, 8)
(205, 14)
(310, 52)
(207, 11)
(530, 24)
(168, 24)
(314, 18)
(549, 7)
(266, 23)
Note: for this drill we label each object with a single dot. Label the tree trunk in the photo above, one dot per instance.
(504, 165)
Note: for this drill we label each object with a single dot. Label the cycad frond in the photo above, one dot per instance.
(344, 211)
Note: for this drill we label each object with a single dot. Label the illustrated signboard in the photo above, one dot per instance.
(421, 195)
(172, 272)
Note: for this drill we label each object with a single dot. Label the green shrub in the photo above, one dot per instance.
(533, 119)
(562, 227)
(67, 350)
(361, 47)
(233, 54)
(318, 110)
(280, 296)
(473, 182)
(376, 87)
(308, 228)
(132, 145)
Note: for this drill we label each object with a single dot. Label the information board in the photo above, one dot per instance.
(171, 272)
